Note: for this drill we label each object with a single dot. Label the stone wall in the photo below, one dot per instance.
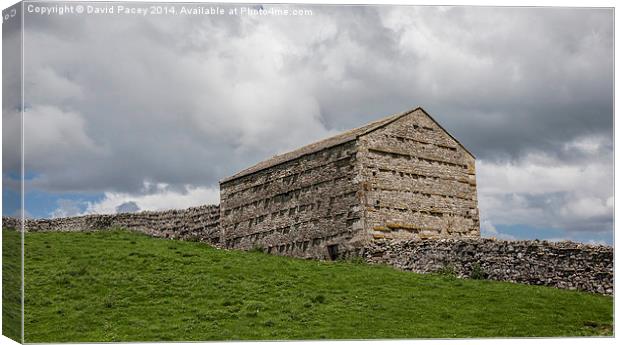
(567, 265)
(194, 223)
(297, 208)
(419, 181)
(11, 223)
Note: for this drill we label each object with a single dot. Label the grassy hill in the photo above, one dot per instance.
(11, 285)
(123, 286)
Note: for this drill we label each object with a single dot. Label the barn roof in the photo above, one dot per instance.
(338, 139)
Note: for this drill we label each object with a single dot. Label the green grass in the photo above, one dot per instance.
(122, 286)
(11, 285)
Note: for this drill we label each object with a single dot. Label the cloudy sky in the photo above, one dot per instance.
(149, 112)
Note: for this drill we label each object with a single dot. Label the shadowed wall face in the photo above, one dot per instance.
(299, 208)
(419, 181)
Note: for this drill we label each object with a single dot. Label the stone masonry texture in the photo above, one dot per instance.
(401, 177)
(195, 223)
(567, 265)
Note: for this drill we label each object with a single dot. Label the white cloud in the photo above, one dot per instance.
(55, 138)
(67, 208)
(541, 173)
(48, 87)
(587, 144)
(586, 207)
(159, 198)
(541, 190)
(153, 197)
(487, 229)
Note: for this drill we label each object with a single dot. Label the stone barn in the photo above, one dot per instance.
(401, 177)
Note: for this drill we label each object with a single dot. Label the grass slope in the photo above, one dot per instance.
(11, 285)
(122, 286)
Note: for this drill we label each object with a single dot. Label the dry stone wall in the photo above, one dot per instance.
(298, 208)
(11, 223)
(566, 265)
(194, 223)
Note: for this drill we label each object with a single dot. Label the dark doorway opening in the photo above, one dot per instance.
(332, 250)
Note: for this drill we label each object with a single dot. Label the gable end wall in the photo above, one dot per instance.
(418, 182)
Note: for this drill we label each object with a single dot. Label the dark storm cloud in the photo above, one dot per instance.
(133, 102)
(505, 81)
